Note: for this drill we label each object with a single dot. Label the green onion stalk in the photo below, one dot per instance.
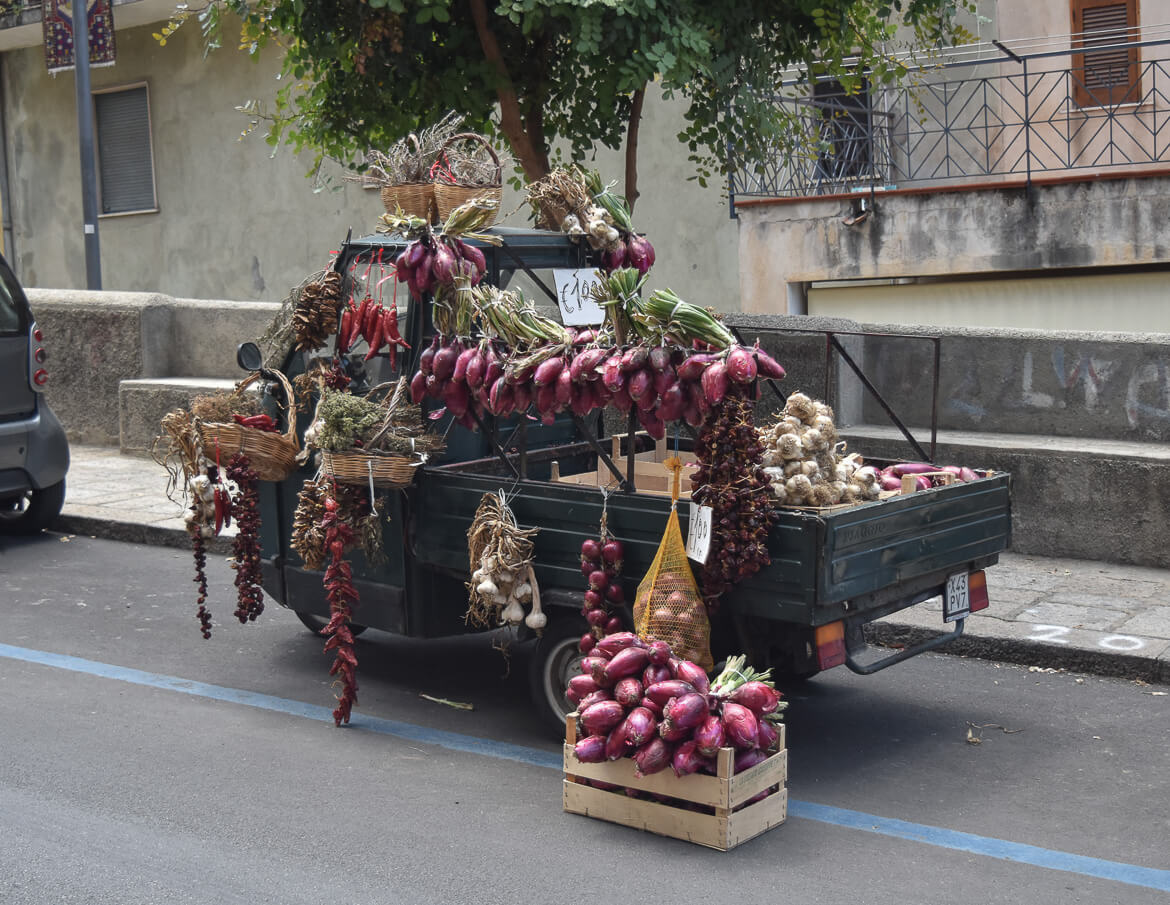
(613, 204)
(663, 311)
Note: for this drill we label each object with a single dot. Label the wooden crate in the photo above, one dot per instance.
(650, 475)
(721, 820)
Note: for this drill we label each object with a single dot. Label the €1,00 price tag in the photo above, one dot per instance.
(578, 309)
(699, 533)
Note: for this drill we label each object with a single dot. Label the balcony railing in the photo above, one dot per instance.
(1013, 117)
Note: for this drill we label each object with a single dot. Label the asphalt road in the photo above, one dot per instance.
(142, 764)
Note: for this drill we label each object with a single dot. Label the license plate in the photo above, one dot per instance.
(956, 598)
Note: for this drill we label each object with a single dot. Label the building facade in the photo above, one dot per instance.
(1021, 182)
(191, 210)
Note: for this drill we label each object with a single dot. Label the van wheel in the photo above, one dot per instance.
(556, 658)
(33, 511)
(315, 623)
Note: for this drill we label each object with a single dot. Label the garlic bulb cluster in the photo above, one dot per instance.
(803, 462)
(508, 587)
(598, 227)
(200, 517)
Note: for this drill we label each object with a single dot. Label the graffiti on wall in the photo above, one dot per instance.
(1088, 381)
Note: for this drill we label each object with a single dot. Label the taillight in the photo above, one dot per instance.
(40, 377)
(40, 356)
(977, 591)
(830, 644)
(38, 335)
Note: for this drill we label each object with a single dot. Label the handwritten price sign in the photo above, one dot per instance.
(577, 308)
(699, 533)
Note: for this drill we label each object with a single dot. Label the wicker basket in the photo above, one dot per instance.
(417, 199)
(449, 196)
(272, 456)
(352, 467)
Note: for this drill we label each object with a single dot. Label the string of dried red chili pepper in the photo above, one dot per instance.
(342, 596)
(246, 545)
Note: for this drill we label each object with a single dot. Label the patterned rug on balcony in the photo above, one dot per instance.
(57, 24)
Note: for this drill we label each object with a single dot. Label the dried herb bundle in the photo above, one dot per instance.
(409, 160)
(560, 193)
(221, 407)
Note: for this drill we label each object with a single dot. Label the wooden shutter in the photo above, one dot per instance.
(1105, 77)
(125, 156)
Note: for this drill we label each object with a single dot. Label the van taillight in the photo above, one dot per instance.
(38, 335)
(830, 641)
(40, 377)
(40, 356)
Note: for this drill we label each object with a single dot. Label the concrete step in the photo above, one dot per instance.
(1105, 500)
(142, 402)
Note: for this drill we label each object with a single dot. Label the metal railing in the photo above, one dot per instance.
(1013, 117)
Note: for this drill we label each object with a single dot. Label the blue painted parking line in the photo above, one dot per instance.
(1002, 849)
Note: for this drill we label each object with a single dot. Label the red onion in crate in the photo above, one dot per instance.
(686, 712)
(652, 757)
(710, 736)
(602, 717)
(758, 697)
(740, 725)
(628, 692)
(590, 750)
(662, 692)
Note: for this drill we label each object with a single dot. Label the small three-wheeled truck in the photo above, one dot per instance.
(832, 570)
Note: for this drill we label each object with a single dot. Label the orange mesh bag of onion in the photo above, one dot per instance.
(669, 606)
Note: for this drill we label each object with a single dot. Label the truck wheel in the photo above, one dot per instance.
(315, 623)
(32, 511)
(556, 659)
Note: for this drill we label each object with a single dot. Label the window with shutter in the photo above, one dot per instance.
(124, 151)
(1107, 76)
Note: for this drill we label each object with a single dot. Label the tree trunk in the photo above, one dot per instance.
(529, 148)
(632, 147)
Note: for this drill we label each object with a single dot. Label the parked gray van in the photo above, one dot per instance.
(34, 454)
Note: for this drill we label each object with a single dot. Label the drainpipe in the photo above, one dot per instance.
(6, 239)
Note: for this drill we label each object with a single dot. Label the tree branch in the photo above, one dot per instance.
(632, 146)
(531, 156)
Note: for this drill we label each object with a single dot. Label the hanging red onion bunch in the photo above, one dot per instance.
(660, 383)
(637, 700)
(432, 261)
(731, 480)
(601, 564)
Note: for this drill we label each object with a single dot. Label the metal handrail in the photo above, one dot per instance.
(1014, 124)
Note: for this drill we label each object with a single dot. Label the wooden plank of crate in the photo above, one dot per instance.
(909, 481)
(757, 818)
(701, 789)
(725, 791)
(746, 785)
(704, 829)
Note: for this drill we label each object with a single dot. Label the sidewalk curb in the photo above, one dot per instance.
(134, 533)
(1115, 664)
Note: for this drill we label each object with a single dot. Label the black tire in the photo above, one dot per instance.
(315, 623)
(555, 660)
(33, 511)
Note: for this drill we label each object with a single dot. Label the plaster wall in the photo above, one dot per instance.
(1113, 223)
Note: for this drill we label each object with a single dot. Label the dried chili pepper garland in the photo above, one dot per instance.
(730, 479)
(246, 545)
(342, 595)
